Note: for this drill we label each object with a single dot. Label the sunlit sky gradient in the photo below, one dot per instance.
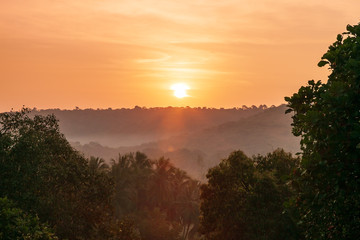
(122, 53)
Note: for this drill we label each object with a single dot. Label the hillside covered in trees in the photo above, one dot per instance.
(194, 138)
(129, 127)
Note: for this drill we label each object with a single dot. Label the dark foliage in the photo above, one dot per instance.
(163, 200)
(43, 175)
(327, 117)
(134, 198)
(244, 198)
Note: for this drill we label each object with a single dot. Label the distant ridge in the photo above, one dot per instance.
(127, 127)
(199, 139)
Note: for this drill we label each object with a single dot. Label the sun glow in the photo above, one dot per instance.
(180, 90)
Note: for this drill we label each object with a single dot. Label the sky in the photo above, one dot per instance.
(122, 53)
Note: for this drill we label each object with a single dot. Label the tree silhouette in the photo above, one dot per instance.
(160, 183)
(327, 117)
(97, 164)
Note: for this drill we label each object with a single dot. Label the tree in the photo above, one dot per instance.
(45, 176)
(160, 184)
(271, 198)
(327, 117)
(97, 165)
(244, 198)
(187, 205)
(131, 175)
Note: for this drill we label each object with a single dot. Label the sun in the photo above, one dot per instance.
(180, 90)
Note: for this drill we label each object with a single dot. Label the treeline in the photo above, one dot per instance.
(243, 107)
(130, 127)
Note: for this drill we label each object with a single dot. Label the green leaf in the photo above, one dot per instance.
(322, 63)
(339, 37)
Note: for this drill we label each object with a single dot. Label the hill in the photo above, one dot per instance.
(128, 127)
(195, 149)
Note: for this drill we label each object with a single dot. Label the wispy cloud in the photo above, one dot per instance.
(130, 44)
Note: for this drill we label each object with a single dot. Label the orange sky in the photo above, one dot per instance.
(122, 53)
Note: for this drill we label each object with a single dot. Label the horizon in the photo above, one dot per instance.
(242, 107)
(140, 126)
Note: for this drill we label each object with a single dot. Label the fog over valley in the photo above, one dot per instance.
(195, 139)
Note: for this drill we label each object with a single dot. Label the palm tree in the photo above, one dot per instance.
(121, 172)
(179, 179)
(97, 164)
(160, 183)
(189, 208)
(141, 171)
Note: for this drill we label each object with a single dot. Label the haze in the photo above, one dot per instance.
(99, 54)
